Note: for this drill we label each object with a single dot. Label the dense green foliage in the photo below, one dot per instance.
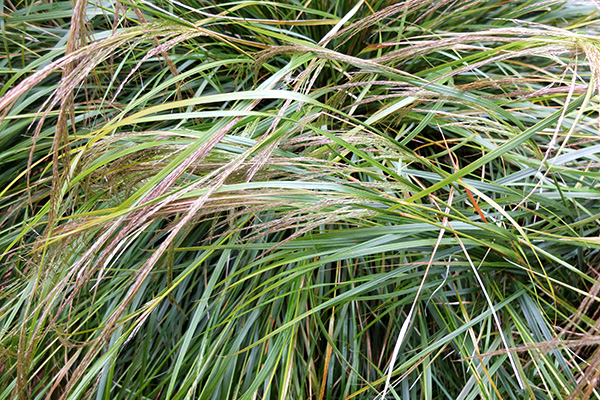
(300, 199)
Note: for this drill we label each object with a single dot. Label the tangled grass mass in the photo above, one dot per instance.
(288, 199)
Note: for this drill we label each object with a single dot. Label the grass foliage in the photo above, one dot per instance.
(299, 199)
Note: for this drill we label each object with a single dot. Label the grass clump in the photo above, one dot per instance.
(292, 200)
